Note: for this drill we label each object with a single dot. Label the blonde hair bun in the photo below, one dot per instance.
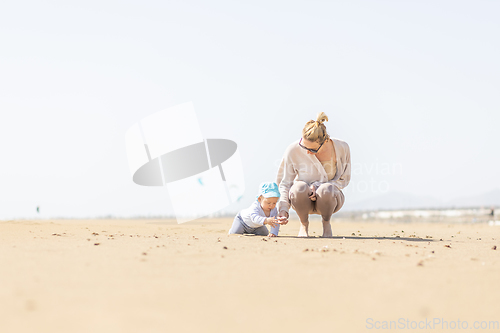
(315, 130)
(321, 118)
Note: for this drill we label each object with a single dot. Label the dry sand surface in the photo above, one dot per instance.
(157, 276)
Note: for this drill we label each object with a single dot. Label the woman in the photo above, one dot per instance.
(312, 174)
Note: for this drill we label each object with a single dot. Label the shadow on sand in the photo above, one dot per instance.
(409, 239)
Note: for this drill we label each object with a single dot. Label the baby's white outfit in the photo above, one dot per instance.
(251, 221)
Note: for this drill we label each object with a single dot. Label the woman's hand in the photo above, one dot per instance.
(312, 194)
(283, 217)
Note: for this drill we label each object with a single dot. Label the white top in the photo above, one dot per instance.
(298, 165)
(255, 217)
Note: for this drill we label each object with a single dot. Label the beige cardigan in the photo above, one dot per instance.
(298, 165)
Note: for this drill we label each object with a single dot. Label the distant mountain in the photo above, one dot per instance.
(491, 198)
(394, 200)
(401, 200)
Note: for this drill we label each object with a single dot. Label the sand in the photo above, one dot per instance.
(157, 276)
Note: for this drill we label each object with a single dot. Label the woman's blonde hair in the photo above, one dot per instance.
(315, 130)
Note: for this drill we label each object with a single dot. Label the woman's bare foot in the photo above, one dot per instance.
(327, 229)
(304, 229)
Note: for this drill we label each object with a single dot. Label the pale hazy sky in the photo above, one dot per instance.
(412, 86)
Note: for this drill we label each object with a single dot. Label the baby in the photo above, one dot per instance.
(253, 219)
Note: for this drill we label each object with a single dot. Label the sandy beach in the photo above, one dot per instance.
(157, 276)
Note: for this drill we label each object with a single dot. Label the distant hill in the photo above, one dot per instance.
(491, 198)
(393, 200)
(401, 200)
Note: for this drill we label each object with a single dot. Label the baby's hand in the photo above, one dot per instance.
(272, 235)
(271, 221)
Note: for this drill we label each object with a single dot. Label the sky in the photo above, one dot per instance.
(411, 86)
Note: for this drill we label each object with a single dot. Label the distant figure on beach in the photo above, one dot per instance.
(312, 174)
(262, 212)
(38, 209)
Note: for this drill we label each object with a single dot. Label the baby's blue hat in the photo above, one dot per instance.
(268, 190)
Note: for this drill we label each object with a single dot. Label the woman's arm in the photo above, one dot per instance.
(345, 177)
(285, 178)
